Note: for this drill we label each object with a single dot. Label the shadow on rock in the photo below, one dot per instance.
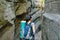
(38, 29)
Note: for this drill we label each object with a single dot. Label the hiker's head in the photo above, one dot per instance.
(28, 18)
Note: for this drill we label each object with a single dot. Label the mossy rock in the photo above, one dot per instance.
(20, 8)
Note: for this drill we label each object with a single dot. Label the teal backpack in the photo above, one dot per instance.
(22, 26)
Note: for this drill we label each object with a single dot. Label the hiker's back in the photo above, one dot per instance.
(28, 32)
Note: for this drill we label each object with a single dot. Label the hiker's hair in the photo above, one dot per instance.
(28, 18)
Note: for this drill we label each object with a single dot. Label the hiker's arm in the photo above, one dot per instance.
(33, 27)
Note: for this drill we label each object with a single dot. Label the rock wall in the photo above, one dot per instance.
(6, 28)
(52, 6)
(1, 9)
(51, 23)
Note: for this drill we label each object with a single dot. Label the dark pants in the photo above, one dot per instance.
(21, 38)
(24, 39)
(27, 39)
(33, 37)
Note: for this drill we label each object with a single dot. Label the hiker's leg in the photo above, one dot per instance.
(33, 37)
(20, 38)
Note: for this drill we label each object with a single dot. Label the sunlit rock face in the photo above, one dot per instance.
(38, 3)
(51, 22)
